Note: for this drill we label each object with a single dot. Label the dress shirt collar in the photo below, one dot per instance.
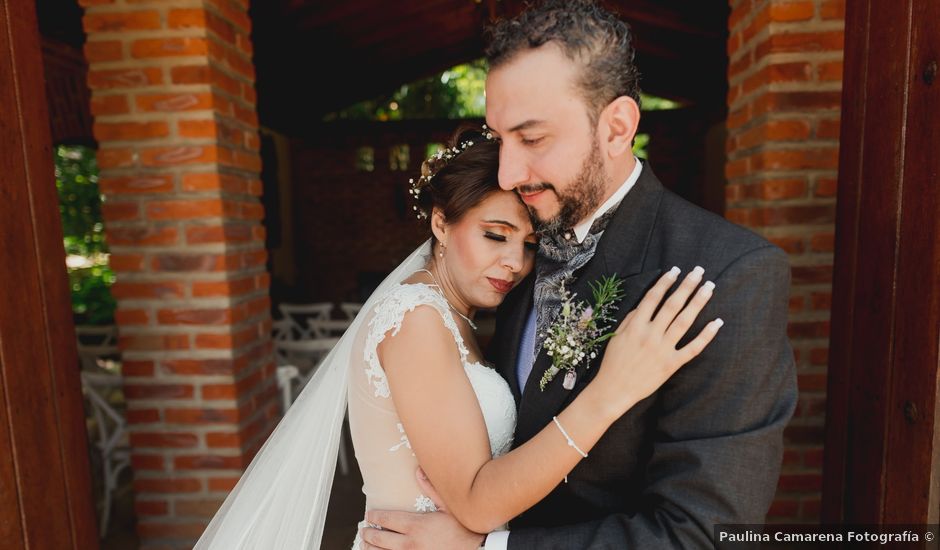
(582, 229)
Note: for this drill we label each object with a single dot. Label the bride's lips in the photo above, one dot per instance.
(500, 285)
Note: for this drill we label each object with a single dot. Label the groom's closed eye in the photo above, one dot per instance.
(531, 141)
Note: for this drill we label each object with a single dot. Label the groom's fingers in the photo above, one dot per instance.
(376, 539)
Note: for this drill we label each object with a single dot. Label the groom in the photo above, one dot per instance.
(562, 95)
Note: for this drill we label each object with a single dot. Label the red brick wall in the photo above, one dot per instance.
(347, 221)
(174, 105)
(785, 77)
(66, 92)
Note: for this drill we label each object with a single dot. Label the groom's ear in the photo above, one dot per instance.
(618, 125)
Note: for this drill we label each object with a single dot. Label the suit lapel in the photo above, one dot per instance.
(621, 251)
(511, 318)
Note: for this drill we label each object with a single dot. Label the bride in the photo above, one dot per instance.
(420, 392)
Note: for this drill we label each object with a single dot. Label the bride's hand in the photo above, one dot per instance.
(642, 354)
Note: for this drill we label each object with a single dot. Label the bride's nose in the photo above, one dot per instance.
(514, 258)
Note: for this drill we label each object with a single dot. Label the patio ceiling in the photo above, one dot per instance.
(313, 57)
(316, 56)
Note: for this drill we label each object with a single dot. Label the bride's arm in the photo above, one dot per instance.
(445, 426)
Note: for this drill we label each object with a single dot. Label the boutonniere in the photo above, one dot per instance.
(575, 335)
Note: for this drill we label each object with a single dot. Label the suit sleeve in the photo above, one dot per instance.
(718, 438)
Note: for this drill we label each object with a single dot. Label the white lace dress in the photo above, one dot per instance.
(382, 447)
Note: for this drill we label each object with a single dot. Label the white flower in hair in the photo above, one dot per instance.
(445, 155)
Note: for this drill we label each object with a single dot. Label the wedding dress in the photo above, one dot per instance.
(382, 448)
(280, 502)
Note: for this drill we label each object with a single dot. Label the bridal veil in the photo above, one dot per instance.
(281, 500)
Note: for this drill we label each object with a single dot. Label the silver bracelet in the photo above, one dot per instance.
(571, 442)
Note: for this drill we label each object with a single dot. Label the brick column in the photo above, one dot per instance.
(174, 104)
(785, 77)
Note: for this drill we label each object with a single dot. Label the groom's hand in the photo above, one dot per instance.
(413, 531)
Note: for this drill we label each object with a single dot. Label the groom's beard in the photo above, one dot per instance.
(582, 198)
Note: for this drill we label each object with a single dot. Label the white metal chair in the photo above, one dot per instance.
(291, 380)
(296, 313)
(328, 328)
(94, 343)
(350, 309)
(111, 427)
(286, 374)
(281, 330)
(304, 354)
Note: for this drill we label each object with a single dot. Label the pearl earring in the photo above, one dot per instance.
(441, 253)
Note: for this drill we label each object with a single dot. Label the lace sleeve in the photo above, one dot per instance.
(387, 318)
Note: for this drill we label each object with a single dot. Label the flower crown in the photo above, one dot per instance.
(443, 157)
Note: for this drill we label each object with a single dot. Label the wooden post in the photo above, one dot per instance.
(882, 441)
(45, 485)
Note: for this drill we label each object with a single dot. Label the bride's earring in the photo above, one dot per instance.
(441, 252)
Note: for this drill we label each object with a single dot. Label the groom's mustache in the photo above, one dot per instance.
(535, 187)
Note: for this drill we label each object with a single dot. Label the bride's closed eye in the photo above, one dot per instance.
(529, 246)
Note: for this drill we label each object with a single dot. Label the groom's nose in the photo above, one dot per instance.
(513, 170)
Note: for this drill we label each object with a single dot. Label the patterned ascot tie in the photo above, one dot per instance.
(560, 255)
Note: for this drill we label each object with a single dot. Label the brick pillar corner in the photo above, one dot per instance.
(784, 96)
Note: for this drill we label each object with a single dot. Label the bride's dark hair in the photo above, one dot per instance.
(456, 185)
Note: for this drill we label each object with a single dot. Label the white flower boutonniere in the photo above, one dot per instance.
(574, 336)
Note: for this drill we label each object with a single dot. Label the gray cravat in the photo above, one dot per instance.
(560, 255)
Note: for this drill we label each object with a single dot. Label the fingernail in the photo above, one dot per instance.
(674, 273)
(719, 323)
(708, 287)
(697, 273)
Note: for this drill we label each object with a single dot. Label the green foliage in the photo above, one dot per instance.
(458, 93)
(92, 302)
(90, 278)
(76, 174)
(454, 93)
(640, 143)
(653, 103)
(607, 291)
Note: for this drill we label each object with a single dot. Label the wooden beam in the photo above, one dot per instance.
(290, 109)
(707, 19)
(680, 49)
(882, 436)
(45, 488)
(366, 17)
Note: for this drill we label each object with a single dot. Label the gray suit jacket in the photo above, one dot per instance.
(707, 447)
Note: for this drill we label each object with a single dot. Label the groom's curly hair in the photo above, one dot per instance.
(587, 33)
